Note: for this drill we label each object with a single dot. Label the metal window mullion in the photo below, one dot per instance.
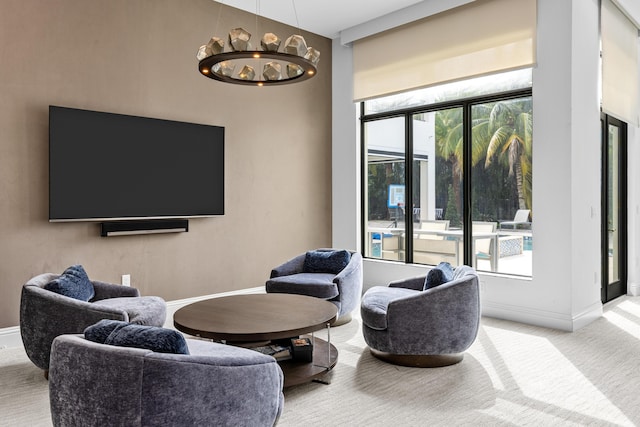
(364, 177)
(466, 185)
(408, 185)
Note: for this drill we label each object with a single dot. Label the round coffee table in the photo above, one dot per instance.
(243, 319)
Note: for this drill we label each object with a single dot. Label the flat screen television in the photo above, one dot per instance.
(105, 166)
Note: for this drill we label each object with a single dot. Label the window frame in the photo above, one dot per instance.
(466, 104)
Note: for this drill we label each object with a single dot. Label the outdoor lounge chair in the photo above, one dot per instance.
(521, 218)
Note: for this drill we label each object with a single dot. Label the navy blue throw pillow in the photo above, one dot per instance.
(124, 334)
(73, 283)
(442, 273)
(326, 261)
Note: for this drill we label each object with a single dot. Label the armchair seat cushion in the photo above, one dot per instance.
(375, 303)
(319, 285)
(148, 310)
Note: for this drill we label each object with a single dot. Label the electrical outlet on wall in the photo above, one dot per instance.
(126, 279)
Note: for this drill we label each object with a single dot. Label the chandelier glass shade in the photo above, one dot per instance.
(239, 63)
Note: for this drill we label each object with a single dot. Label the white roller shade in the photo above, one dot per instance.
(620, 97)
(480, 38)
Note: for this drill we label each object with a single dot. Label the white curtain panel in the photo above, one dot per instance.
(620, 87)
(479, 38)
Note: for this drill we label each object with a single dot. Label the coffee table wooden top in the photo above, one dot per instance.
(255, 317)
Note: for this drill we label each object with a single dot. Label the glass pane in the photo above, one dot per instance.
(486, 85)
(613, 241)
(437, 187)
(501, 210)
(385, 198)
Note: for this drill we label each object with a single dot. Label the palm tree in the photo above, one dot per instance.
(449, 130)
(449, 146)
(509, 130)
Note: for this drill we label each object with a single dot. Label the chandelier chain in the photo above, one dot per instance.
(215, 28)
(257, 14)
(295, 12)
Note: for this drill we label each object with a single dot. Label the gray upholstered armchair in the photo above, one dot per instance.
(406, 325)
(45, 314)
(92, 384)
(341, 286)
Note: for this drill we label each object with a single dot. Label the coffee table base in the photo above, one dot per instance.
(296, 373)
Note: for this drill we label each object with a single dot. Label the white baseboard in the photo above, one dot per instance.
(542, 318)
(10, 337)
(590, 314)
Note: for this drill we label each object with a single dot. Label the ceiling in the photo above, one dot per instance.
(324, 17)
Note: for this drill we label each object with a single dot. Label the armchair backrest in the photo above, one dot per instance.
(484, 227)
(483, 245)
(99, 384)
(42, 315)
(522, 215)
(41, 280)
(433, 225)
(439, 224)
(464, 271)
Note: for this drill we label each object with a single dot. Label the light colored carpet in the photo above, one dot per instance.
(513, 375)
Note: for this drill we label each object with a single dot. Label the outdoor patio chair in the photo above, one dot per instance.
(521, 218)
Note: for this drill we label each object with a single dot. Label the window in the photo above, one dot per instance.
(501, 185)
(437, 182)
(420, 207)
(385, 190)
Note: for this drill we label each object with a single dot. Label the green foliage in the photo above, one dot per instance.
(502, 142)
(380, 176)
(510, 125)
(501, 150)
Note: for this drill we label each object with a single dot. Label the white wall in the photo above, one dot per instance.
(586, 154)
(631, 8)
(564, 291)
(345, 153)
(633, 212)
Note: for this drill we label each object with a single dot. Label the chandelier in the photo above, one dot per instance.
(239, 62)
